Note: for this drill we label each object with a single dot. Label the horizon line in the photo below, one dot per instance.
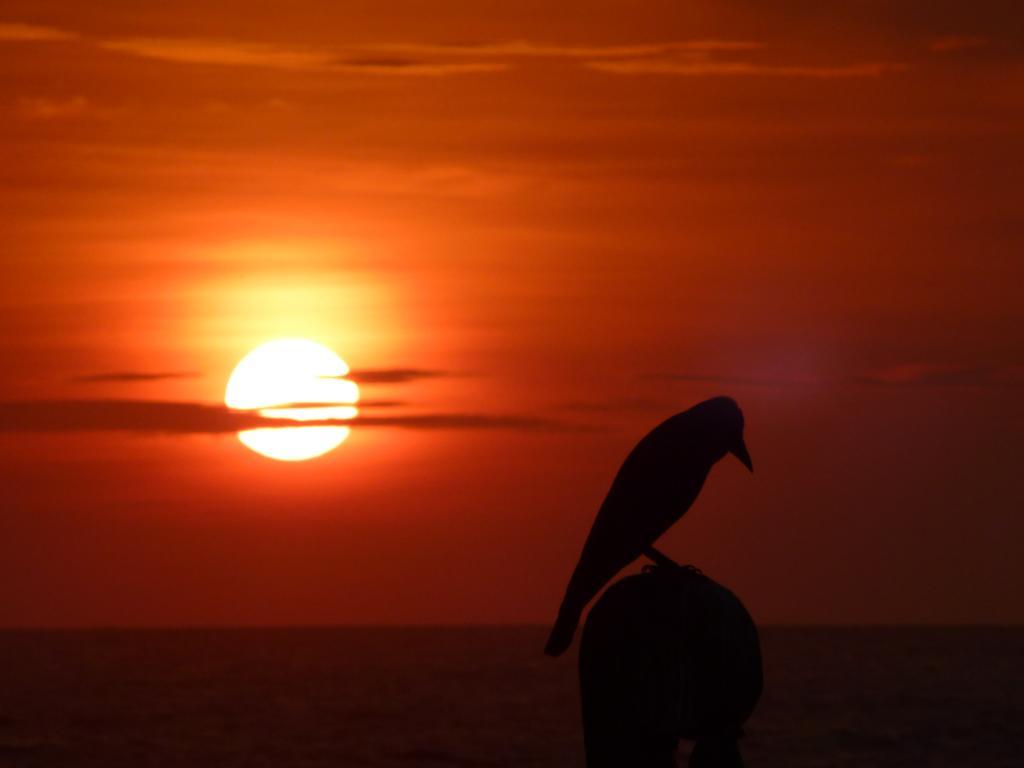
(456, 625)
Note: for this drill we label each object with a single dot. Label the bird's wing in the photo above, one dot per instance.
(641, 505)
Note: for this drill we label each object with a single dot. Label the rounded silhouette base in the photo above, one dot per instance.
(667, 654)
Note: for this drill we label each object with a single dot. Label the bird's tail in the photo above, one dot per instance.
(588, 578)
(565, 627)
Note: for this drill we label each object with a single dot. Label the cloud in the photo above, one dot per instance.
(616, 405)
(902, 375)
(233, 53)
(362, 404)
(151, 416)
(526, 49)
(271, 56)
(416, 68)
(933, 375)
(31, 33)
(703, 67)
(38, 108)
(956, 43)
(360, 376)
(128, 376)
(467, 421)
(393, 375)
(733, 380)
(184, 418)
(690, 58)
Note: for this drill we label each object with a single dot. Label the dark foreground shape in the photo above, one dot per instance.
(655, 486)
(667, 654)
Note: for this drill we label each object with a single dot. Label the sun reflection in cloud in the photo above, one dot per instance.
(298, 380)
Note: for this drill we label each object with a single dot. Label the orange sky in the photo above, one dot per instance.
(580, 219)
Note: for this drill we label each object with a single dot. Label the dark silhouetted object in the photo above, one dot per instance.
(657, 483)
(667, 654)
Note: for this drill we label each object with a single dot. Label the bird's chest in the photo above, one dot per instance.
(665, 498)
(652, 490)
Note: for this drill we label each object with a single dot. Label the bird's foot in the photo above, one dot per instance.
(686, 568)
(661, 560)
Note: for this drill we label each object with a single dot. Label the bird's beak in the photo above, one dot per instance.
(741, 453)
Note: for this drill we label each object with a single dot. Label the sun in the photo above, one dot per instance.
(299, 373)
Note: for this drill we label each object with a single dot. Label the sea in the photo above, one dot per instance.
(446, 697)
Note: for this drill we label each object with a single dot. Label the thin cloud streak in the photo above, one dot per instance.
(152, 416)
(616, 405)
(907, 375)
(132, 376)
(514, 49)
(403, 58)
(394, 375)
(707, 67)
(689, 58)
(270, 56)
(727, 379)
(184, 418)
(361, 404)
(40, 108)
(416, 68)
(223, 52)
(469, 421)
(16, 32)
(957, 43)
(243, 53)
(932, 375)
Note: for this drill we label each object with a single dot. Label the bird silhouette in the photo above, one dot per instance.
(657, 483)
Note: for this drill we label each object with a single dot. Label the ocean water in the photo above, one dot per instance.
(480, 697)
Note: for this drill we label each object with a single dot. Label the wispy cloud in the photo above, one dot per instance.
(159, 417)
(359, 375)
(394, 375)
(615, 405)
(32, 33)
(468, 421)
(363, 403)
(40, 108)
(702, 67)
(226, 52)
(130, 376)
(689, 58)
(902, 375)
(182, 418)
(514, 49)
(956, 43)
(416, 68)
(731, 379)
(272, 56)
(935, 375)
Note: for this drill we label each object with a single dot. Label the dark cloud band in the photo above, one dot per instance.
(167, 417)
(394, 375)
(130, 376)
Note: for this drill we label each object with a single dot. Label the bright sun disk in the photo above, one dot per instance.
(293, 372)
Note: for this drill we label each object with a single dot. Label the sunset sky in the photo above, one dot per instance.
(533, 231)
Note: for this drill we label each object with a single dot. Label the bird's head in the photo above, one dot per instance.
(726, 420)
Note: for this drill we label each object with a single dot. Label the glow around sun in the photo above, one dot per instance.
(299, 373)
